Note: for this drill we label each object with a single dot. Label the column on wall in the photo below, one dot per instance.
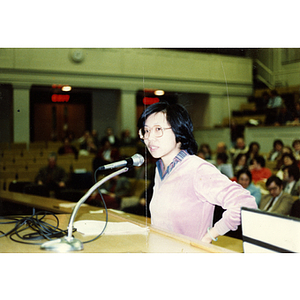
(21, 113)
(127, 112)
(218, 107)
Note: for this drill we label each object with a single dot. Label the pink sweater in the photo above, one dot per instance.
(183, 202)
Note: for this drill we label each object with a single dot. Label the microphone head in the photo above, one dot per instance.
(137, 159)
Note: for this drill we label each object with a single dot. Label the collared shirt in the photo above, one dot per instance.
(160, 166)
(288, 188)
(184, 197)
(276, 199)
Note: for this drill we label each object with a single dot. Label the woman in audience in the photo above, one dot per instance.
(258, 170)
(186, 187)
(205, 149)
(240, 162)
(254, 148)
(276, 151)
(287, 159)
(244, 178)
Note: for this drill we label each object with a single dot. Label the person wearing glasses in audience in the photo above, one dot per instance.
(186, 187)
(277, 201)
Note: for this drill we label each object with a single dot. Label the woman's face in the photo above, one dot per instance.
(297, 146)
(242, 160)
(287, 161)
(278, 147)
(255, 148)
(164, 147)
(244, 180)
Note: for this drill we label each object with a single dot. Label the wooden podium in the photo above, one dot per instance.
(153, 241)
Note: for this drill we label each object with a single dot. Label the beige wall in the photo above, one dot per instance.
(226, 80)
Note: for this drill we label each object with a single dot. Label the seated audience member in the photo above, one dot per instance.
(296, 147)
(275, 100)
(258, 170)
(67, 148)
(253, 151)
(240, 147)
(244, 178)
(91, 147)
(112, 192)
(83, 140)
(240, 163)
(273, 107)
(201, 154)
(111, 137)
(87, 145)
(287, 159)
(205, 149)
(106, 154)
(127, 139)
(52, 176)
(221, 148)
(277, 201)
(224, 167)
(94, 135)
(291, 182)
(275, 153)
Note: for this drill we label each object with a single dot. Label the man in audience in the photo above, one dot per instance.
(296, 147)
(277, 201)
(52, 176)
(221, 148)
(273, 107)
(291, 176)
(240, 147)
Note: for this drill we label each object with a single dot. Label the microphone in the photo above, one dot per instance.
(134, 161)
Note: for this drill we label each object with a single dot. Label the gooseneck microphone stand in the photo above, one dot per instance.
(68, 243)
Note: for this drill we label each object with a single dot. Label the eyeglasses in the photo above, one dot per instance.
(158, 131)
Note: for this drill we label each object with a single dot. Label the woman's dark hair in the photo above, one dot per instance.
(239, 156)
(295, 142)
(244, 171)
(223, 157)
(293, 170)
(253, 144)
(260, 160)
(279, 142)
(180, 121)
(290, 155)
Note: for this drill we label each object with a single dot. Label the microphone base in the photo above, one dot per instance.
(63, 245)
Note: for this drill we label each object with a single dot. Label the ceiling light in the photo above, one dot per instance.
(66, 88)
(159, 92)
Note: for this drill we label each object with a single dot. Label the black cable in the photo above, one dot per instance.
(35, 222)
(41, 229)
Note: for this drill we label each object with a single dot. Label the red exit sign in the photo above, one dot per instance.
(60, 98)
(150, 100)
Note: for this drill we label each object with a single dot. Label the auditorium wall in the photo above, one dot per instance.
(221, 82)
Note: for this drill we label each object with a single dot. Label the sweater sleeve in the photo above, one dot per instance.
(215, 188)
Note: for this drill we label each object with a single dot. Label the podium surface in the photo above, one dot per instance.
(152, 240)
